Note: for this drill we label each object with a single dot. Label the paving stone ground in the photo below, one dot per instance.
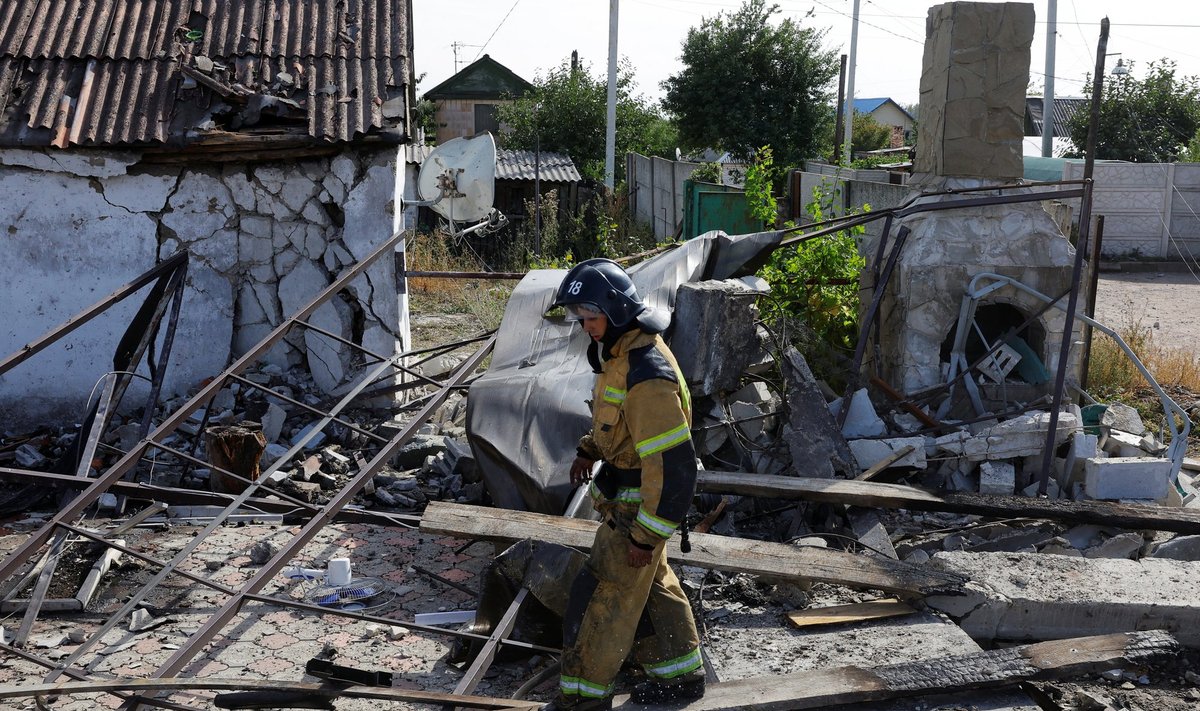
(266, 641)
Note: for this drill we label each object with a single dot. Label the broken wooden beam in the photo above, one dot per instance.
(897, 496)
(821, 688)
(178, 684)
(779, 560)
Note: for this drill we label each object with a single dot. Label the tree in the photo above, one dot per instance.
(869, 134)
(1145, 121)
(747, 83)
(567, 113)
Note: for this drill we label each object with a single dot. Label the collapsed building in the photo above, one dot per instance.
(269, 539)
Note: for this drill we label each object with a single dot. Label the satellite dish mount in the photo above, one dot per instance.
(458, 181)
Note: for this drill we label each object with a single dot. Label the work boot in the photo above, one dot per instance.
(662, 692)
(560, 704)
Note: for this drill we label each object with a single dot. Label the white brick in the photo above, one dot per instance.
(997, 478)
(1126, 477)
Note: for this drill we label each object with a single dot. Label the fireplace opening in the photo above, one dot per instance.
(1020, 359)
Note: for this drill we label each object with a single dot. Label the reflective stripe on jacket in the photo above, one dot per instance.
(641, 419)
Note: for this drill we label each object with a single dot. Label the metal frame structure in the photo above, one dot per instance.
(381, 370)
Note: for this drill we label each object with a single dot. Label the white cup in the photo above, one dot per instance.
(338, 572)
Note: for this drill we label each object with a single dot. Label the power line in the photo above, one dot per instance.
(489, 39)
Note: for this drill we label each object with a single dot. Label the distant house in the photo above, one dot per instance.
(517, 173)
(467, 101)
(887, 112)
(1064, 108)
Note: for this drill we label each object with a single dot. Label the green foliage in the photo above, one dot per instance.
(1147, 120)
(747, 82)
(567, 113)
(868, 134)
(425, 116)
(707, 173)
(1192, 153)
(814, 285)
(760, 200)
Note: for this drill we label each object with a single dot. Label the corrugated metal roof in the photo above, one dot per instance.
(106, 72)
(1064, 108)
(551, 167)
(517, 165)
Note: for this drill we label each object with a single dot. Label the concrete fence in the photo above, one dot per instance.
(1151, 210)
(656, 192)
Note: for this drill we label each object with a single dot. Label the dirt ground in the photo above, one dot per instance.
(1168, 302)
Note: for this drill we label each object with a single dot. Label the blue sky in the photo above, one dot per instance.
(531, 36)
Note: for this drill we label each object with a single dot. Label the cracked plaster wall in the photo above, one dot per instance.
(264, 240)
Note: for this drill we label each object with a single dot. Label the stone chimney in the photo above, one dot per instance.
(969, 136)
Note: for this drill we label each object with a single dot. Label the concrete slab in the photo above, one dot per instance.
(776, 650)
(1127, 477)
(1025, 596)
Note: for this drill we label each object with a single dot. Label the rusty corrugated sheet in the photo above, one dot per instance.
(108, 71)
(551, 167)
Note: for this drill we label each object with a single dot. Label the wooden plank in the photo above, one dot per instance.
(740, 555)
(177, 684)
(886, 462)
(897, 496)
(840, 614)
(822, 688)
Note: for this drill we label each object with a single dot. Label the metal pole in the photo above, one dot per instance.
(839, 130)
(1085, 220)
(610, 133)
(1097, 245)
(1048, 94)
(537, 186)
(849, 117)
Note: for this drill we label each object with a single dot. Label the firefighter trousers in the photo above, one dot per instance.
(615, 609)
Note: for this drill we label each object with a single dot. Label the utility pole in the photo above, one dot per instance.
(1048, 94)
(849, 115)
(838, 126)
(610, 133)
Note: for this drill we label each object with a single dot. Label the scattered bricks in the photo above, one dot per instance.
(272, 422)
(413, 454)
(28, 457)
(1127, 477)
(1123, 444)
(1019, 437)
(869, 451)
(262, 551)
(997, 478)
(272, 453)
(311, 467)
(1052, 489)
(323, 480)
(1123, 545)
(1123, 418)
(1083, 447)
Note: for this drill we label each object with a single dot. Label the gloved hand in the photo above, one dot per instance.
(581, 470)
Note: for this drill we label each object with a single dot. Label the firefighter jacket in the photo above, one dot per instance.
(641, 428)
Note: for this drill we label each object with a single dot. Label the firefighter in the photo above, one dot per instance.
(626, 599)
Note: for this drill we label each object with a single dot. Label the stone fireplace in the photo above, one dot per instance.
(976, 69)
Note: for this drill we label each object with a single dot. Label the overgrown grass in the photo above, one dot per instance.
(482, 299)
(1112, 376)
(1111, 373)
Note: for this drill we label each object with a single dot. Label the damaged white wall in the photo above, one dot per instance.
(264, 239)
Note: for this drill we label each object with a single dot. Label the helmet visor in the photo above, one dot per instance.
(578, 312)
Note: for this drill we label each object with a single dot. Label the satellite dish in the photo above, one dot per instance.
(459, 178)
